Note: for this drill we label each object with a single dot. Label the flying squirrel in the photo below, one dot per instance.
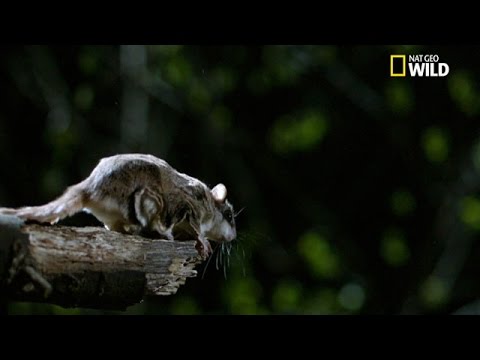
(139, 193)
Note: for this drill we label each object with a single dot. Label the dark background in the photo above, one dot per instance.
(361, 191)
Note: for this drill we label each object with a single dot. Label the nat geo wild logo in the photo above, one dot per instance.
(418, 66)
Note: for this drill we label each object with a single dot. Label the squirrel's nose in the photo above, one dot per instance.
(232, 236)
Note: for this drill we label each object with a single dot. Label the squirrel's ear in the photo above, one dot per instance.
(219, 193)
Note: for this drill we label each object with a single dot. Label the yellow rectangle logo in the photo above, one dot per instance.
(404, 66)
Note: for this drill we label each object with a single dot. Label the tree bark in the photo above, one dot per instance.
(88, 267)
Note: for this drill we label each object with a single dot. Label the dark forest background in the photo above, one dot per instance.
(361, 191)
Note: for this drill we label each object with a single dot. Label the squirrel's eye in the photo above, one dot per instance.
(228, 216)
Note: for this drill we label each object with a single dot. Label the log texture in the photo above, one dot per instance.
(90, 266)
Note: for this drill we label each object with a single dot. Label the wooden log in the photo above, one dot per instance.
(88, 266)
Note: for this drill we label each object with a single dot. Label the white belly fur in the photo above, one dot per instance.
(108, 212)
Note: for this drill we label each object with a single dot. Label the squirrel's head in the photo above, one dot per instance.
(223, 226)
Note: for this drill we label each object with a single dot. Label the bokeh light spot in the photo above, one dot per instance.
(351, 296)
(470, 212)
(394, 249)
(402, 202)
(319, 255)
(298, 133)
(435, 144)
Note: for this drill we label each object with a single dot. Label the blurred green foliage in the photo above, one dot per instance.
(433, 292)
(287, 297)
(464, 92)
(399, 97)
(243, 296)
(403, 202)
(470, 212)
(435, 144)
(298, 133)
(394, 249)
(318, 255)
(361, 191)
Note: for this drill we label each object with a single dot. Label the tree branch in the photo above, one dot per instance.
(89, 266)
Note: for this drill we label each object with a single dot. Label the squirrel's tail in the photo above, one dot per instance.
(71, 202)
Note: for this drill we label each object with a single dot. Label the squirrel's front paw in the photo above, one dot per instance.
(204, 248)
